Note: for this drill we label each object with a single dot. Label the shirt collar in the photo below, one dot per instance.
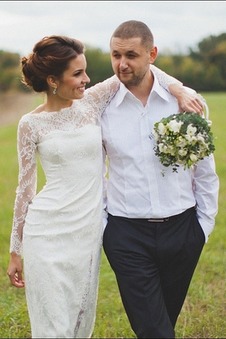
(157, 88)
(123, 91)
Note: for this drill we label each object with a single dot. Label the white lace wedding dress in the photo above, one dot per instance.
(60, 227)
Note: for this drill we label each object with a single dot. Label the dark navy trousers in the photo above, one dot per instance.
(154, 262)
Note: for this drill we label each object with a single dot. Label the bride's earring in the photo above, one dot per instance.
(54, 90)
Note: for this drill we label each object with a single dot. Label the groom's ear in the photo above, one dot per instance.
(153, 54)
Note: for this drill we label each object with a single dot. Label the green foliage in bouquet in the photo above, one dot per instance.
(183, 139)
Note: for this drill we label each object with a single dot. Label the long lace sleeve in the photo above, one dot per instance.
(164, 79)
(100, 94)
(27, 183)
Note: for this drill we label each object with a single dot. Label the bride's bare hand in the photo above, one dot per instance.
(14, 271)
(188, 99)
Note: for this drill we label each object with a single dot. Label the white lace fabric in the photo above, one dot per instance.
(31, 129)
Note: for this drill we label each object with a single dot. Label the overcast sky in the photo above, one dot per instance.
(176, 25)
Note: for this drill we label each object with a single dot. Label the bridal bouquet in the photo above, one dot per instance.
(183, 139)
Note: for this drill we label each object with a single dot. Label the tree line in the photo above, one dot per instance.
(202, 68)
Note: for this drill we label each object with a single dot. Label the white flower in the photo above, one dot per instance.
(174, 126)
(181, 142)
(162, 148)
(191, 130)
(201, 139)
(193, 158)
(155, 135)
(182, 152)
(190, 138)
(161, 129)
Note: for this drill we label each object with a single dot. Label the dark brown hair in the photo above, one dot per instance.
(50, 56)
(135, 29)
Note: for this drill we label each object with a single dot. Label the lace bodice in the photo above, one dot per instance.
(33, 127)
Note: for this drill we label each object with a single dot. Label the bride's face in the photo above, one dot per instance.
(73, 81)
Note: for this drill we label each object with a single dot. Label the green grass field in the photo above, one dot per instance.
(204, 312)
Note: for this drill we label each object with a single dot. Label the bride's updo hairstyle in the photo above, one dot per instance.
(50, 56)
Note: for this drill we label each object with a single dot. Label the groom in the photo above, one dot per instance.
(157, 225)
